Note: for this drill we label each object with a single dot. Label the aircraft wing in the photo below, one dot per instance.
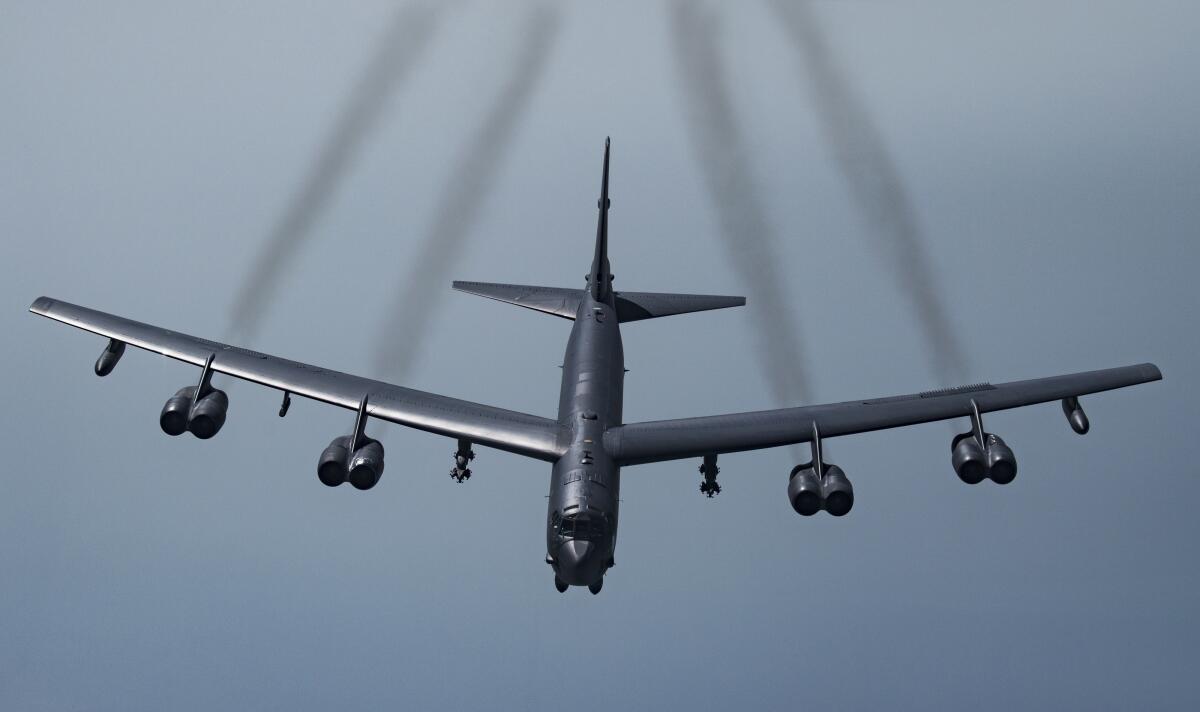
(656, 441)
(519, 433)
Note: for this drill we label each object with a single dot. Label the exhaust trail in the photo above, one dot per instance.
(875, 185)
(747, 233)
(400, 48)
(458, 208)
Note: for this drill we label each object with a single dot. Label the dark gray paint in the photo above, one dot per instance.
(630, 306)
(504, 429)
(588, 443)
(150, 141)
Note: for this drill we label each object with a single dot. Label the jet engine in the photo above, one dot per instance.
(974, 462)
(977, 454)
(204, 419)
(209, 414)
(810, 494)
(837, 492)
(804, 491)
(968, 458)
(1002, 464)
(362, 468)
(174, 417)
(331, 467)
(366, 467)
(200, 408)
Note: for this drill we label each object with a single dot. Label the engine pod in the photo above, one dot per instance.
(1002, 463)
(331, 467)
(804, 491)
(174, 417)
(366, 465)
(968, 458)
(837, 492)
(209, 414)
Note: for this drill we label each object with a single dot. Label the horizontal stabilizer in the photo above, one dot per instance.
(551, 300)
(631, 306)
(634, 306)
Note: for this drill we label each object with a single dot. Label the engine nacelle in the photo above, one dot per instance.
(362, 468)
(209, 414)
(810, 494)
(968, 458)
(1002, 463)
(174, 417)
(837, 492)
(204, 421)
(331, 467)
(366, 466)
(973, 462)
(804, 491)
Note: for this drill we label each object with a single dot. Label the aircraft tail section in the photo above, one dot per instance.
(635, 306)
(631, 306)
(549, 300)
(600, 274)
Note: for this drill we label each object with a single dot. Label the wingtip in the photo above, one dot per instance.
(41, 305)
(1151, 372)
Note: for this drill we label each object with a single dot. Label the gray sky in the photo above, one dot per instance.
(1051, 151)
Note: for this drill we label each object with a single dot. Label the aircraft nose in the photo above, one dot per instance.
(579, 562)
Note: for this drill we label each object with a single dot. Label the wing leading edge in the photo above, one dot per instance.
(508, 430)
(656, 441)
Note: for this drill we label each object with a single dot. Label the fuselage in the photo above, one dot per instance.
(581, 529)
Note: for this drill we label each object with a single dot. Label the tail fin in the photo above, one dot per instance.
(600, 276)
(630, 306)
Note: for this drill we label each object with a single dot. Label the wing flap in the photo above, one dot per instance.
(694, 437)
(508, 430)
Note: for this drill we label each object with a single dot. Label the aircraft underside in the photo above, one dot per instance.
(588, 443)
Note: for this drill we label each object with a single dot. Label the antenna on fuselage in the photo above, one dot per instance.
(600, 276)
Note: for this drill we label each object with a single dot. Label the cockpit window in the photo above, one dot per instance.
(585, 528)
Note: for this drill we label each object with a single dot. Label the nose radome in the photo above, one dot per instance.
(578, 562)
(574, 552)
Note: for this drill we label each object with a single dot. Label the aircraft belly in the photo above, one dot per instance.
(585, 480)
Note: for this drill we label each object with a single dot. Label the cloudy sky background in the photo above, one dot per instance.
(1052, 154)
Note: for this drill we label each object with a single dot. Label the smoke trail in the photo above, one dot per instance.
(458, 207)
(875, 184)
(718, 144)
(399, 49)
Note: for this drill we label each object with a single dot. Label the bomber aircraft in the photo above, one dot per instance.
(588, 443)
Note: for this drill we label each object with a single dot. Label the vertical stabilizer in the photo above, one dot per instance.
(600, 276)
